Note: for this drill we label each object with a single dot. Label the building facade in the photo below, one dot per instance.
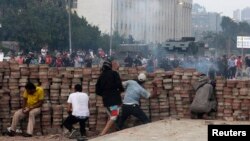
(245, 14)
(148, 21)
(203, 21)
(236, 15)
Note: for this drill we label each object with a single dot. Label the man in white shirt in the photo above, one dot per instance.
(44, 51)
(1, 56)
(78, 110)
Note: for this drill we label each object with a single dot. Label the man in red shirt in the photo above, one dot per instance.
(239, 64)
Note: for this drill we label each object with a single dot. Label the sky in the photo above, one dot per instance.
(225, 6)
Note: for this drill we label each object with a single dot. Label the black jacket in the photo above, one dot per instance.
(109, 86)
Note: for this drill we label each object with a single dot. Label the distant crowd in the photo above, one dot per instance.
(230, 67)
(80, 58)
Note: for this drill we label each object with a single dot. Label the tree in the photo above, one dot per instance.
(36, 23)
(229, 27)
(226, 40)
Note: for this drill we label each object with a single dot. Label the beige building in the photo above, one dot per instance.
(146, 20)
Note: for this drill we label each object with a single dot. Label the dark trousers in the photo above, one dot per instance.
(134, 110)
(232, 71)
(71, 120)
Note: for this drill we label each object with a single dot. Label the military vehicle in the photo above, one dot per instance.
(184, 47)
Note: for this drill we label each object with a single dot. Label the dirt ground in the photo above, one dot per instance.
(54, 137)
(165, 130)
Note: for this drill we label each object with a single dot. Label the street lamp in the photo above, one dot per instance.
(216, 29)
(175, 15)
(216, 20)
(111, 30)
(70, 42)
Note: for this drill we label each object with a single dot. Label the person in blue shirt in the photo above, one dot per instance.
(133, 92)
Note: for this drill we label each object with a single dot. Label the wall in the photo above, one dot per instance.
(174, 89)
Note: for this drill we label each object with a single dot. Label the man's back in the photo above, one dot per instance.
(133, 92)
(204, 100)
(79, 102)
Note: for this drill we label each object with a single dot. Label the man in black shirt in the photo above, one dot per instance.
(109, 86)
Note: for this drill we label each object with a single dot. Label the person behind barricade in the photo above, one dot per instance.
(109, 87)
(20, 59)
(88, 61)
(155, 62)
(96, 60)
(204, 101)
(150, 65)
(137, 61)
(59, 61)
(224, 66)
(41, 59)
(77, 62)
(65, 60)
(32, 101)
(133, 92)
(144, 62)
(28, 58)
(44, 51)
(239, 67)
(231, 67)
(212, 69)
(78, 111)
(48, 59)
(128, 61)
(247, 60)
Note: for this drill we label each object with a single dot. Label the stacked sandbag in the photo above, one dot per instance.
(55, 90)
(57, 116)
(5, 108)
(44, 80)
(46, 118)
(174, 89)
(234, 105)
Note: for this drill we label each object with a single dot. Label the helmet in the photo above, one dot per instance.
(142, 77)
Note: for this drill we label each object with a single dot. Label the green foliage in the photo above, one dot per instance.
(34, 24)
(227, 38)
(38, 23)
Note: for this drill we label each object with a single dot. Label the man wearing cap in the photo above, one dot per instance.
(109, 87)
(133, 92)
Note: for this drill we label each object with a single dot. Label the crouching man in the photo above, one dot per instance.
(32, 101)
(78, 111)
(204, 101)
(133, 92)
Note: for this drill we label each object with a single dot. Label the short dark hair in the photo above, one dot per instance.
(30, 86)
(78, 88)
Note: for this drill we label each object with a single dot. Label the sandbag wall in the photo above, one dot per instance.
(174, 89)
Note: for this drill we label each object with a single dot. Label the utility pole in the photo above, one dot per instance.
(175, 10)
(70, 42)
(111, 30)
